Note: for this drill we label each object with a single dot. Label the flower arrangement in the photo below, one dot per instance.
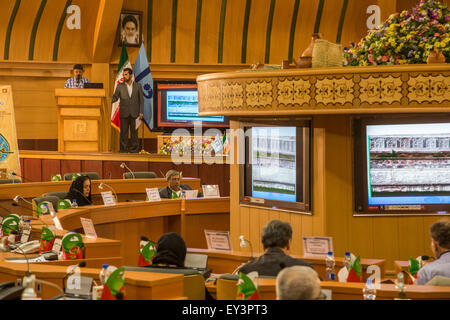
(192, 146)
(405, 38)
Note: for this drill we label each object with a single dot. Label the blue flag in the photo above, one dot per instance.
(143, 76)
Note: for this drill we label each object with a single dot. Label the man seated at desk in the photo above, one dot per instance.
(440, 244)
(276, 238)
(174, 189)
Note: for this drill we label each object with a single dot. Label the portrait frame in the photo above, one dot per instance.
(127, 21)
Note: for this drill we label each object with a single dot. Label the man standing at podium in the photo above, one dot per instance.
(77, 81)
(131, 107)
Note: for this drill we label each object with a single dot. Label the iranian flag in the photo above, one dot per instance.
(225, 142)
(146, 255)
(355, 271)
(413, 270)
(123, 63)
(114, 285)
(247, 290)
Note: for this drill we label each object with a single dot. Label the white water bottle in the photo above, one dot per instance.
(103, 275)
(369, 291)
(330, 263)
(347, 260)
(74, 203)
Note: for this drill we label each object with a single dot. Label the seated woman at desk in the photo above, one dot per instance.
(80, 191)
(174, 189)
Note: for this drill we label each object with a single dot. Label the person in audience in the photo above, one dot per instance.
(298, 283)
(170, 251)
(174, 188)
(440, 245)
(77, 81)
(80, 191)
(276, 238)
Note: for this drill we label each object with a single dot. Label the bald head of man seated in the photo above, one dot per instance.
(298, 283)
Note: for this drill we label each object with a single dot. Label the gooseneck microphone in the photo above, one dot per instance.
(18, 197)
(124, 166)
(243, 244)
(109, 187)
(70, 271)
(16, 175)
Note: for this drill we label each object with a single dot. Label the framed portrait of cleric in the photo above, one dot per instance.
(130, 28)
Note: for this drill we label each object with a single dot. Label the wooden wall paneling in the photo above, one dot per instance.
(20, 36)
(112, 170)
(137, 166)
(46, 32)
(197, 224)
(161, 168)
(360, 238)
(296, 244)
(281, 27)
(385, 235)
(32, 170)
(209, 33)
(305, 26)
(355, 15)
(410, 237)
(161, 29)
(244, 227)
(46, 144)
(185, 43)
(226, 180)
(263, 220)
(330, 19)
(190, 170)
(50, 167)
(212, 174)
(254, 231)
(92, 166)
(257, 28)
(234, 192)
(5, 15)
(70, 166)
(22, 172)
(318, 182)
(234, 22)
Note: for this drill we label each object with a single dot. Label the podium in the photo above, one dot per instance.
(80, 120)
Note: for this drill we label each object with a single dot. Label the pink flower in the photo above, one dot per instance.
(370, 57)
(385, 58)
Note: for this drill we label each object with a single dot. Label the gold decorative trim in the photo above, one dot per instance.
(259, 93)
(376, 90)
(332, 91)
(294, 92)
(429, 89)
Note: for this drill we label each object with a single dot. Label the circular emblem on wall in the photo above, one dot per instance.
(4, 148)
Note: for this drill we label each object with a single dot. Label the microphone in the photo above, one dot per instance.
(70, 271)
(104, 184)
(162, 174)
(17, 198)
(123, 165)
(110, 175)
(243, 244)
(29, 280)
(90, 202)
(16, 175)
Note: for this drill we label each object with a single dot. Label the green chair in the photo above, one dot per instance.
(139, 175)
(60, 194)
(53, 199)
(439, 281)
(193, 284)
(91, 175)
(6, 181)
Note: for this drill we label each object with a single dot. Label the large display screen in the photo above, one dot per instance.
(273, 154)
(408, 164)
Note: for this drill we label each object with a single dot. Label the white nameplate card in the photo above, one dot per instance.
(108, 198)
(317, 246)
(218, 240)
(57, 245)
(211, 191)
(191, 194)
(26, 232)
(88, 228)
(57, 223)
(153, 194)
(51, 209)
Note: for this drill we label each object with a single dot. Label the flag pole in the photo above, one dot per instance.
(142, 141)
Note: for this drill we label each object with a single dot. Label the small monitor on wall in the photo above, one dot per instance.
(277, 167)
(403, 165)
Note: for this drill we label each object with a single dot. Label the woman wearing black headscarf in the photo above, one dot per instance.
(170, 250)
(80, 191)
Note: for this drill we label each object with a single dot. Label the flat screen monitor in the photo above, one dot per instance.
(403, 166)
(178, 107)
(276, 173)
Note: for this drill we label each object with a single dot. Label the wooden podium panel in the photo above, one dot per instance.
(80, 114)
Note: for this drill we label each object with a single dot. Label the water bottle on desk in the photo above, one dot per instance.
(347, 260)
(103, 276)
(330, 263)
(369, 292)
(74, 203)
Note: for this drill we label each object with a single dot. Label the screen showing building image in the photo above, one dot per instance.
(408, 164)
(183, 106)
(273, 158)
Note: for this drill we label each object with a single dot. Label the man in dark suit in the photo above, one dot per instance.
(131, 107)
(174, 189)
(276, 238)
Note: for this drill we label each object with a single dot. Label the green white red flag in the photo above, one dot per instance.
(355, 271)
(247, 289)
(413, 270)
(146, 255)
(114, 284)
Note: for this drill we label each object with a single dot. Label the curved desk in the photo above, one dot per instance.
(127, 222)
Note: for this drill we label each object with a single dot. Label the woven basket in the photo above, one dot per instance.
(327, 54)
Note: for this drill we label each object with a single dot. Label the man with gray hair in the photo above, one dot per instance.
(276, 238)
(440, 245)
(298, 283)
(174, 189)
